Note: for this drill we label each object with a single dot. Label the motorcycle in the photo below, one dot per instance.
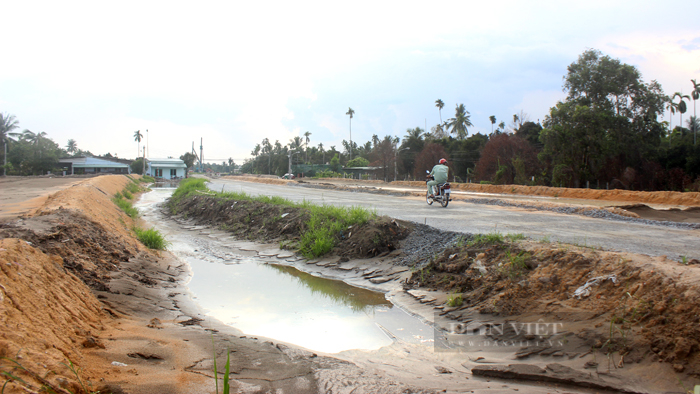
(443, 194)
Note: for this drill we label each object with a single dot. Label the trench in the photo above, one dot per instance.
(262, 293)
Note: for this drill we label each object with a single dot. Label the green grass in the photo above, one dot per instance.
(325, 223)
(147, 179)
(486, 239)
(455, 300)
(152, 238)
(128, 195)
(126, 206)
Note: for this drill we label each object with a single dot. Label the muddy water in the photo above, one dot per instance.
(265, 296)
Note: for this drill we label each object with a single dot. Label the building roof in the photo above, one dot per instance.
(166, 163)
(92, 162)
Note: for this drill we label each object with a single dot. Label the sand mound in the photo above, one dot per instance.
(47, 313)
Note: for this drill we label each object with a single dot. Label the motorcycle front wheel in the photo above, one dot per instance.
(445, 200)
(428, 199)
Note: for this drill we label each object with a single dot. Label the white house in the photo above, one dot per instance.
(94, 165)
(166, 168)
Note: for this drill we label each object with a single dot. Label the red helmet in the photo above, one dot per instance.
(443, 161)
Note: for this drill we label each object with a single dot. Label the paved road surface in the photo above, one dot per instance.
(478, 218)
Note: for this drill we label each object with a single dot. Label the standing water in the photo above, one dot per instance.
(264, 296)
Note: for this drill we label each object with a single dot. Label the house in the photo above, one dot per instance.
(94, 165)
(166, 168)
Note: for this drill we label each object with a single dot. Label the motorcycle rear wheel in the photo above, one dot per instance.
(445, 199)
(428, 199)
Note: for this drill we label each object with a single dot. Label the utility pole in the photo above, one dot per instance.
(201, 153)
(144, 161)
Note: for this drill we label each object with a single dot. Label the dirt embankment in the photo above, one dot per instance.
(52, 314)
(639, 312)
(259, 221)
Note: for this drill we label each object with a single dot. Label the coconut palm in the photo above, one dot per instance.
(323, 153)
(350, 112)
(492, 118)
(72, 146)
(440, 105)
(7, 124)
(137, 137)
(306, 139)
(460, 123)
(682, 107)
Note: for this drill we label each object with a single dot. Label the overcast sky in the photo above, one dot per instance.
(235, 72)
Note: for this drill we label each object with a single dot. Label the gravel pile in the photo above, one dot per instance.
(590, 212)
(424, 242)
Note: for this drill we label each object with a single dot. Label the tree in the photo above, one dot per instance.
(137, 166)
(460, 123)
(351, 113)
(357, 162)
(696, 95)
(507, 159)
(72, 146)
(440, 105)
(7, 124)
(323, 153)
(137, 137)
(492, 118)
(607, 123)
(681, 106)
(189, 159)
(428, 158)
(306, 139)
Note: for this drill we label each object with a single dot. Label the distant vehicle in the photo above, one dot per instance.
(288, 176)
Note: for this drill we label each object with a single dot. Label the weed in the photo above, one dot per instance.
(455, 301)
(152, 238)
(494, 238)
(545, 239)
(226, 387)
(126, 206)
(118, 196)
(517, 263)
(128, 195)
(515, 237)
(684, 260)
(76, 372)
(147, 179)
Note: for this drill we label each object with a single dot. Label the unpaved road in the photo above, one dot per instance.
(466, 217)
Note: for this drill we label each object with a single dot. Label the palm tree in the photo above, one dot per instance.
(137, 137)
(440, 105)
(72, 146)
(672, 107)
(323, 152)
(492, 118)
(696, 95)
(459, 124)
(306, 138)
(7, 124)
(350, 112)
(682, 107)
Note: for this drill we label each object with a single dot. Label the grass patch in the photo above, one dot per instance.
(152, 238)
(486, 239)
(515, 237)
(126, 206)
(455, 301)
(325, 223)
(128, 195)
(147, 179)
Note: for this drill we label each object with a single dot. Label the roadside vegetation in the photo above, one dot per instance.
(313, 230)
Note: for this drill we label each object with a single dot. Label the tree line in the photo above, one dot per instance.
(608, 132)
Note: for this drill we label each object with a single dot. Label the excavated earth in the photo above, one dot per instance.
(77, 290)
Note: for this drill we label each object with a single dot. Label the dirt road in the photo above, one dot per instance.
(465, 216)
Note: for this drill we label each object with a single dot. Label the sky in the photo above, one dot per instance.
(235, 72)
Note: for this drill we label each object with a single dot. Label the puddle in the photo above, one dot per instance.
(261, 297)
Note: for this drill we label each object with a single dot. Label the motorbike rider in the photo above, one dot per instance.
(439, 174)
